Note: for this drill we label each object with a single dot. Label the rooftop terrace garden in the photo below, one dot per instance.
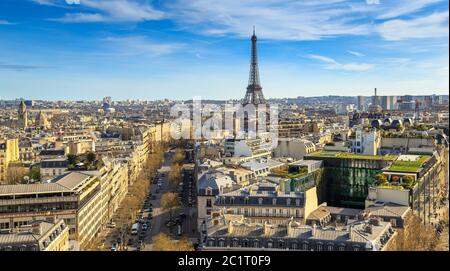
(283, 171)
(348, 155)
(408, 166)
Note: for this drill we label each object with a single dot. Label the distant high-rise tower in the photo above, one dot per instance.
(254, 93)
(23, 115)
(361, 103)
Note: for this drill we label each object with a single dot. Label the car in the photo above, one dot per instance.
(130, 242)
(144, 226)
(170, 223)
(111, 225)
(114, 247)
(141, 244)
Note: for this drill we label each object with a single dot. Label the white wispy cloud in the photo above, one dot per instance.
(403, 7)
(332, 64)
(431, 26)
(358, 54)
(274, 19)
(294, 20)
(282, 20)
(140, 45)
(4, 22)
(19, 67)
(113, 11)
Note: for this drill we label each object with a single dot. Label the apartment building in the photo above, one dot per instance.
(46, 235)
(9, 152)
(85, 200)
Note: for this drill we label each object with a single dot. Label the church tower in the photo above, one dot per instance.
(23, 115)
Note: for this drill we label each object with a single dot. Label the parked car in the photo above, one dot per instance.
(144, 227)
(130, 242)
(114, 247)
(141, 244)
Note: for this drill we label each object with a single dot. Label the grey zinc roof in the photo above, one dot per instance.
(258, 165)
(25, 235)
(262, 193)
(31, 188)
(302, 232)
(71, 180)
(390, 210)
(54, 163)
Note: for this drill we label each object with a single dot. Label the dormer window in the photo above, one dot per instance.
(288, 202)
(208, 191)
(232, 200)
(297, 202)
(274, 201)
(246, 201)
(260, 201)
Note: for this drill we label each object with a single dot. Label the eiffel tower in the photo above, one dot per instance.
(254, 93)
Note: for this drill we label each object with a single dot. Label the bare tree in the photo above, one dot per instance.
(15, 174)
(415, 236)
(169, 201)
(174, 176)
(163, 242)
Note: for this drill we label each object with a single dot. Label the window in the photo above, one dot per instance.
(221, 243)
(342, 247)
(256, 244)
(319, 247)
(208, 203)
(356, 248)
(260, 201)
(235, 243)
(208, 191)
(274, 201)
(269, 244)
(330, 247)
(394, 222)
(288, 202)
(294, 245)
(305, 246)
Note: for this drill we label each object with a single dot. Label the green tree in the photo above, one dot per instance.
(35, 173)
(381, 179)
(91, 157)
(72, 159)
(408, 179)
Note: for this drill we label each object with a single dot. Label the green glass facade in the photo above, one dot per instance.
(345, 182)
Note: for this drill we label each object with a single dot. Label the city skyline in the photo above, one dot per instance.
(152, 50)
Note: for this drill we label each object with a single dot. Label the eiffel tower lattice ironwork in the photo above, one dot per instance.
(254, 93)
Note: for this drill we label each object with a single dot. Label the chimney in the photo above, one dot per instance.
(369, 228)
(291, 224)
(36, 229)
(374, 221)
(231, 227)
(350, 232)
(314, 229)
(267, 228)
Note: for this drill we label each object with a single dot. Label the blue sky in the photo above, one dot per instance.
(177, 49)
